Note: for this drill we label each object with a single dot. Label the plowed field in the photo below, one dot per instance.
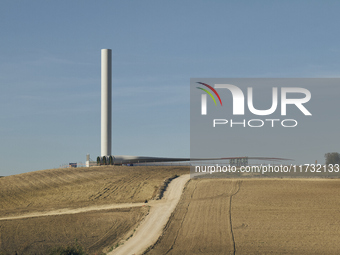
(255, 216)
(76, 187)
(41, 192)
(93, 230)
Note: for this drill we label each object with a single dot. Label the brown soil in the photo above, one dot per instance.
(73, 188)
(254, 217)
(49, 190)
(287, 217)
(92, 230)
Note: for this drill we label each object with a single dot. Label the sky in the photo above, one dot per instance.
(50, 68)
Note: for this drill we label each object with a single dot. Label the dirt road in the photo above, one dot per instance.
(99, 206)
(151, 228)
(73, 211)
(202, 220)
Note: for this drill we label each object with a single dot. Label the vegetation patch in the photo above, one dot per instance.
(75, 249)
(164, 186)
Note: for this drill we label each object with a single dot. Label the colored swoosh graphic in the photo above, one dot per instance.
(212, 90)
(209, 94)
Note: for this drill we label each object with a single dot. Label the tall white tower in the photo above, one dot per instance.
(106, 104)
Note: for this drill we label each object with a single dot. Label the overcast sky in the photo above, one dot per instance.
(50, 68)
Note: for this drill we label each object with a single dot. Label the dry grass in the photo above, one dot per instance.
(73, 188)
(287, 217)
(214, 216)
(259, 216)
(200, 223)
(77, 187)
(92, 230)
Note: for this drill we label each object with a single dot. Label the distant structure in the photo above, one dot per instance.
(106, 119)
(89, 162)
(106, 102)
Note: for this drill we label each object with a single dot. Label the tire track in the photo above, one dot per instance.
(204, 213)
(73, 211)
(185, 214)
(234, 190)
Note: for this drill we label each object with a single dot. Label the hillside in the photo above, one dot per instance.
(213, 216)
(57, 189)
(77, 187)
(254, 216)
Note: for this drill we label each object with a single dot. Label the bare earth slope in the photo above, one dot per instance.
(287, 217)
(93, 230)
(83, 204)
(201, 222)
(77, 187)
(254, 216)
(213, 216)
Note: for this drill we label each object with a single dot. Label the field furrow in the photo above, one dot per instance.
(50, 208)
(200, 223)
(254, 216)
